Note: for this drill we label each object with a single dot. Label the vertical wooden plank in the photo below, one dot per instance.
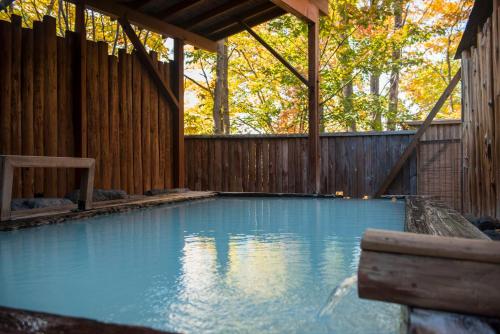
(169, 164)
(162, 133)
(265, 165)
(284, 157)
(137, 124)
(5, 87)
(62, 114)
(50, 102)
(178, 115)
(28, 141)
(123, 112)
(114, 123)
(218, 174)
(104, 146)
(38, 100)
(71, 142)
(324, 165)
(16, 98)
(155, 148)
(331, 165)
(130, 125)
(80, 116)
(146, 130)
(93, 111)
(258, 165)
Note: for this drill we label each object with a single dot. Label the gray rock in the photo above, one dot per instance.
(487, 223)
(99, 195)
(36, 203)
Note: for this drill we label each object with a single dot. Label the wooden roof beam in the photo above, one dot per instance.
(219, 10)
(253, 21)
(174, 9)
(231, 22)
(115, 10)
(306, 10)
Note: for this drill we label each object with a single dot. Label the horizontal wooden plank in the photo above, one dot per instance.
(429, 245)
(48, 162)
(430, 282)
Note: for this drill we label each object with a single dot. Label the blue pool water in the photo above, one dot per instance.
(224, 265)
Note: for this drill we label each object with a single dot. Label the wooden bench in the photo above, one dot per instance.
(9, 162)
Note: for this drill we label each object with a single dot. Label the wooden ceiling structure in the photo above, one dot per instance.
(202, 23)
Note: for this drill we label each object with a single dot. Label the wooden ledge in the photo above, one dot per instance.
(55, 215)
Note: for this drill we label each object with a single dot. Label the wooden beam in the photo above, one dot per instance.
(174, 9)
(254, 20)
(148, 64)
(247, 15)
(313, 107)
(276, 54)
(137, 4)
(322, 6)
(80, 115)
(303, 9)
(178, 117)
(219, 10)
(415, 139)
(115, 10)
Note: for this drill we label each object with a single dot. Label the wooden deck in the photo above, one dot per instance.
(45, 216)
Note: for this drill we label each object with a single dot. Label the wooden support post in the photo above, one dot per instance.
(80, 115)
(314, 144)
(414, 141)
(147, 62)
(6, 180)
(275, 54)
(178, 117)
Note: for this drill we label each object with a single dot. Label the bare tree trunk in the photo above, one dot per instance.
(375, 93)
(394, 79)
(375, 88)
(50, 7)
(348, 107)
(221, 98)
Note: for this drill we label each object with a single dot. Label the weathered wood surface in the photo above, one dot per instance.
(426, 216)
(47, 216)
(441, 273)
(430, 282)
(481, 129)
(15, 321)
(41, 112)
(477, 250)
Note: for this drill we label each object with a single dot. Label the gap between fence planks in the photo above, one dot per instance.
(414, 142)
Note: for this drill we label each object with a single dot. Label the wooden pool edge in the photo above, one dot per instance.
(427, 216)
(48, 216)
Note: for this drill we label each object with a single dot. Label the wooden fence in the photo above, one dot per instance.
(439, 163)
(128, 121)
(352, 163)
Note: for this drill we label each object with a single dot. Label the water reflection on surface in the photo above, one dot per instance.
(224, 265)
